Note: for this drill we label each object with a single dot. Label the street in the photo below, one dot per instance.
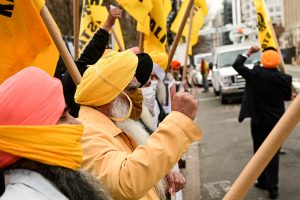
(226, 148)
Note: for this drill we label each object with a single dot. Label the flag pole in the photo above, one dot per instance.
(141, 42)
(188, 44)
(179, 33)
(265, 153)
(76, 27)
(60, 45)
(117, 39)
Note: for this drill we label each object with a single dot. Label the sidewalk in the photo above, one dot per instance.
(192, 189)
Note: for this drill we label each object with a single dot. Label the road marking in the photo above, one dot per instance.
(217, 189)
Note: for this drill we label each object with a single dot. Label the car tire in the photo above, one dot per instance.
(223, 100)
(216, 92)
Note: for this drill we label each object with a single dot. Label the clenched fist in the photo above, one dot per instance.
(114, 13)
(185, 103)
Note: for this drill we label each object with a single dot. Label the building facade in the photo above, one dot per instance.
(291, 37)
(275, 8)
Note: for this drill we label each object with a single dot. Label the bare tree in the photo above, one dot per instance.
(62, 12)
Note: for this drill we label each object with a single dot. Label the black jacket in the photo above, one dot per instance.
(265, 92)
(91, 54)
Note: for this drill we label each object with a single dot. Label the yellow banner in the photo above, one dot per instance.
(156, 40)
(199, 12)
(139, 10)
(93, 17)
(24, 38)
(266, 37)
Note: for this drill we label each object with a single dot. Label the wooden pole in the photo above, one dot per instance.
(179, 33)
(117, 39)
(265, 153)
(76, 27)
(141, 42)
(188, 44)
(60, 45)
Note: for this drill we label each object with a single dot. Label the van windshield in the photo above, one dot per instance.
(227, 58)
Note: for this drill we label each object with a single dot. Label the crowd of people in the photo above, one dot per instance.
(126, 141)
(123, 145)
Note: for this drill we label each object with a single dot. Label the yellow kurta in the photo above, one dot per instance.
(127, 170)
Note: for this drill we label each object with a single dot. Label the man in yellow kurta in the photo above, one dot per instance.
(108, 93)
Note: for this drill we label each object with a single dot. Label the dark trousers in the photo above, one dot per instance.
(269, 177)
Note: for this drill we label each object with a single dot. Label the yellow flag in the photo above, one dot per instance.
(139, 10)
(167, 7)
(199, 12)
(93, 17)
(266, 36)
(198, 21)
(24, 38)
(118, 31)
(156, 40)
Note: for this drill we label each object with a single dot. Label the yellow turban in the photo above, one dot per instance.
(160, 58)
(103, 82)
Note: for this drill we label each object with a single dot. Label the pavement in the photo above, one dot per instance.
(192, 189)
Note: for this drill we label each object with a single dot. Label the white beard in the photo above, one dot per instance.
(136, 130)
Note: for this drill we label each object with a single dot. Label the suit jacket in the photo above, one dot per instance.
(127, 170)
(265, 92)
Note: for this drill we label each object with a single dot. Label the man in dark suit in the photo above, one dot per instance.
(263, 101)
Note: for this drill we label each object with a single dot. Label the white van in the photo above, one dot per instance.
(225, 80)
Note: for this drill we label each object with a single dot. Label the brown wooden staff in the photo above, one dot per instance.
(179, 33)
(188, 44)
(76, 27)
(60, 45)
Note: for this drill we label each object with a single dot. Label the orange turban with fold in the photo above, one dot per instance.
(270, 59)
(31, 102)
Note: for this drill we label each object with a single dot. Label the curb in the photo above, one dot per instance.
(192, 189)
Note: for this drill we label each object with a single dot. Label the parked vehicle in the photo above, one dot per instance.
(196, 74)
(225, 80)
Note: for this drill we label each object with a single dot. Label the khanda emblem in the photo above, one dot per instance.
(7, 9)
(261, 22)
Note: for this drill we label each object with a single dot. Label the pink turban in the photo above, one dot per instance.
(30, 97)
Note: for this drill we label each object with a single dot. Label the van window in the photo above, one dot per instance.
(227, 58)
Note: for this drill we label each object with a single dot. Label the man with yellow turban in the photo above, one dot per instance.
(91, 54)
(263, 101)
(109, 93)
(40, 148)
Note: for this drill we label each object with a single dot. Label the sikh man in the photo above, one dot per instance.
(266, 90)
(108, 93)
(40, 142)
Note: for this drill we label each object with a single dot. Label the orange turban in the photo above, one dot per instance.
(175, 64)
(270, 59)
